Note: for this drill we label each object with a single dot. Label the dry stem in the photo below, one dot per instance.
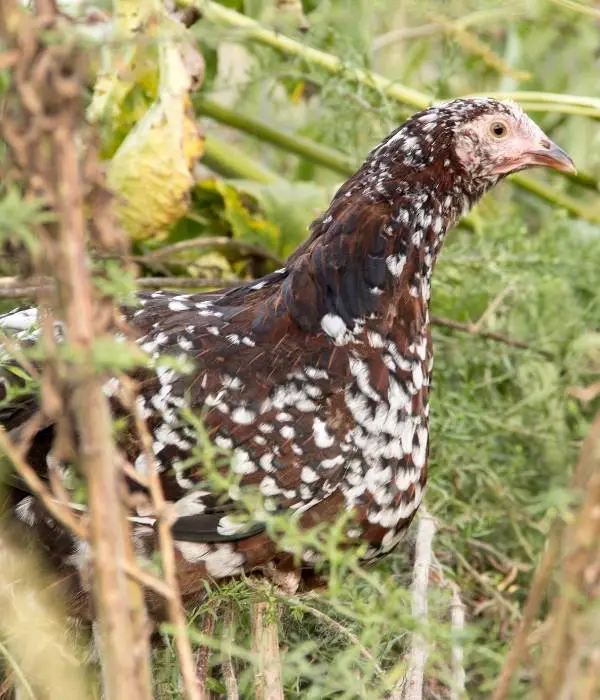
(581, 479)
(167, 551)
(268, 683)
(411, 687)
(203, 656)
(42, 126)
(38, 488)
(231, 685)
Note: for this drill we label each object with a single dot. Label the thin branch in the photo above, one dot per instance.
(492, 307)
(543, 572)
(320, 615)
(240, 247)
(411, 687)
(518, 647)
(419, 652)
(147, 580)
(185, 283)
(487, 335)
(167, 551)
(200, 283)
(19, 292)
(38, 488)
(580, 576)
(14, 348)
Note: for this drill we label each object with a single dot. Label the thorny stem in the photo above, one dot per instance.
(45, 112)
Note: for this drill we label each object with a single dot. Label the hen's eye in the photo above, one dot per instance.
(499, 130)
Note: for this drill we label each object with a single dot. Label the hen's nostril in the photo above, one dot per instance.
(546, 143)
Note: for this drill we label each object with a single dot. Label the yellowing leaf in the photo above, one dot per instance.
(151, 172)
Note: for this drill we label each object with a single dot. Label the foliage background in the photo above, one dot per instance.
(505, 429)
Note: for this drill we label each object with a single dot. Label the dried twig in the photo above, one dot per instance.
(147, 580)
(492, 307)
(14, 348)
(320, 615)
(580, 574)
(24, 289)
(229, 678)
(487, 335)
(167, 550)
(538, 586)
(543, 571)
(411, 687)
(268, 683)
(203, 656)
(38, 488)
(19, 292)
(185, 283)
(243, 249)
(457, 620)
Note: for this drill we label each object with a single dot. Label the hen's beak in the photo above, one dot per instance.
(552, 156)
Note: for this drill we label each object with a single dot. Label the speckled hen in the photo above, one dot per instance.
(316, 377)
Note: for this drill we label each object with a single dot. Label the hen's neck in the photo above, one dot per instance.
(369, 261)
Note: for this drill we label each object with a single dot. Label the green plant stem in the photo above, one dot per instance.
(214, 12)
(549, 195)
(300, 146)
(228, 160)
(254, 31)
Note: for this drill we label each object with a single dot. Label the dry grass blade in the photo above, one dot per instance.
(27, 596)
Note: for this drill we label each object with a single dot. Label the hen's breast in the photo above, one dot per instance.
(318, 428)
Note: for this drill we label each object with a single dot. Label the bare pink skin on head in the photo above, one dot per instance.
(497, 144)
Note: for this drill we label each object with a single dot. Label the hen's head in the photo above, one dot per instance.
(477, 139)
(503, 139)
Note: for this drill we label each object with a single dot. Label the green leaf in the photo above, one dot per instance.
(290, 206)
